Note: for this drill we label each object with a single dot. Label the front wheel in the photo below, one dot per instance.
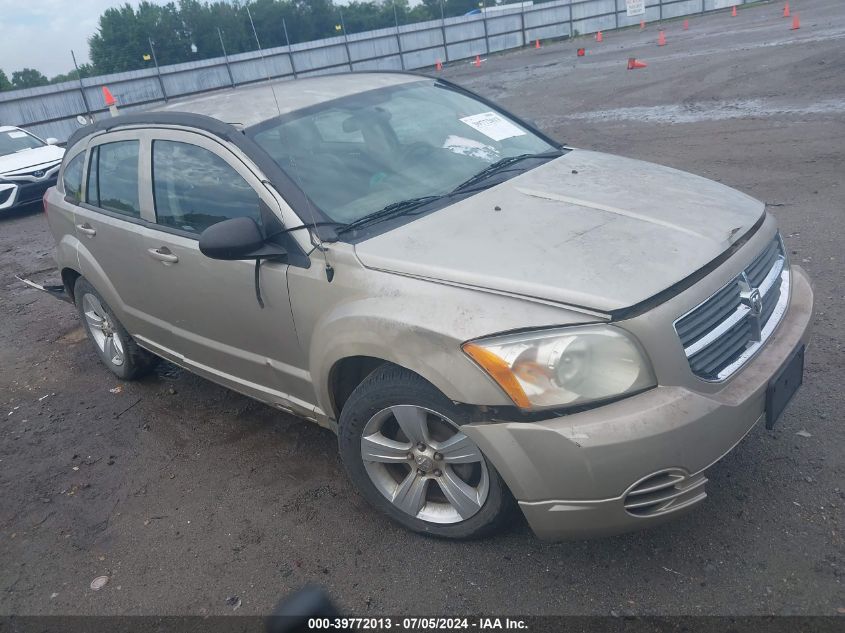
(402, 445)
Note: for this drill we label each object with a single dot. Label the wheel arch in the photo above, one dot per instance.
(345, 376)
(347, 350)
(69, 277)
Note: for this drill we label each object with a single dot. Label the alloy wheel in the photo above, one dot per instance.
(105, 336)
(424, 465)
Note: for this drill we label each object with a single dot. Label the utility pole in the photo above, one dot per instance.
(226, 57)
(81, 87)
(158, 70)
(398, 37)
(345, 38)
(443, 32)
(290, 52)
(484, 23)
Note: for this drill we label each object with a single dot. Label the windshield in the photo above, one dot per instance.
(359, 154)
(12, 141)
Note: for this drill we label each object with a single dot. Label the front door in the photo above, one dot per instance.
(216, 324)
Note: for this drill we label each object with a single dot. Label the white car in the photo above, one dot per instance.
(28, 167)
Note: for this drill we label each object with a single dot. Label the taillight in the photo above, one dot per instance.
(44, 201)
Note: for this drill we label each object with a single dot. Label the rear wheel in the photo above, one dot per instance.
(118, 351)
(402, 444)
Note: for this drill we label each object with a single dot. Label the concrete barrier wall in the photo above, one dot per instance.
(52, 110)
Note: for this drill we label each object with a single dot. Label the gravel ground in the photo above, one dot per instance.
(186, 494)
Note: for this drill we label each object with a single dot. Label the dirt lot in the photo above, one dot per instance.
(187, 494)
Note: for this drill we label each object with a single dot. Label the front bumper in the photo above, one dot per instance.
(14, 195)
(606, 470)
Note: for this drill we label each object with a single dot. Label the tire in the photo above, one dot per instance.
(458, 491)
(113, 344)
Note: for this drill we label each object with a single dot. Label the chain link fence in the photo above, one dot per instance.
(53, 110)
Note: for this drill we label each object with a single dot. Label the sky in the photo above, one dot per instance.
(41, 33)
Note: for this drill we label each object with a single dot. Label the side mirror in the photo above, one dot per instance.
(237, 238)
(51, 141)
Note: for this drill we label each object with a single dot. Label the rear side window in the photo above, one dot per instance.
(113, 178)
(72, 178)
(194, 188)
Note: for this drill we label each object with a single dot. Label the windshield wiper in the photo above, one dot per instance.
(393, 210)
(499, 166)
(406, 207)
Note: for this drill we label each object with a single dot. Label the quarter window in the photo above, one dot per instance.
(72, 178)
(113, 178)
(194, 188)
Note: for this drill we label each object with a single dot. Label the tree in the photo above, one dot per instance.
(116, 46)
(28, 78)
(85, 70)
(5, 84)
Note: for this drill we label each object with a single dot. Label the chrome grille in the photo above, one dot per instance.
(724, 331)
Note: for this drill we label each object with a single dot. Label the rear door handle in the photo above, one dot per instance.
(163, 254)
(87, 229)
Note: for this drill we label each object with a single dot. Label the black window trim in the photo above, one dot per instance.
(83, 154)
(174, 230)
(296, 255)
(95, 150)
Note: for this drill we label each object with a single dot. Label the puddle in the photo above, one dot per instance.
(710, 111)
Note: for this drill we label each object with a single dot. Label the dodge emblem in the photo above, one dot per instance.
(755, 302)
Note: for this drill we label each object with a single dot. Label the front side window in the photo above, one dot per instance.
(194, 188)
(72, 178)
(361, 153)
(113, 178)
(13, 141)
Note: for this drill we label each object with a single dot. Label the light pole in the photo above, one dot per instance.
(398, 37)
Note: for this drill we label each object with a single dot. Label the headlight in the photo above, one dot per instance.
(563, 367)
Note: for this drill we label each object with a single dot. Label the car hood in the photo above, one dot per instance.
(23, 162)
(587, 229)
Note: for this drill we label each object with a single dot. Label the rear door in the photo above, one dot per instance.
(110, 228)
(215, 323)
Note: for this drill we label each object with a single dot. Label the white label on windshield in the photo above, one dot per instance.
(17, 134)
(492, 125)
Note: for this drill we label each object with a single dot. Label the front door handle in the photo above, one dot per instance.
(87, 229)
(163, 254)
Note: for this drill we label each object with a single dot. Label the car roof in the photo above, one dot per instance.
(9, 128)
(246, 106)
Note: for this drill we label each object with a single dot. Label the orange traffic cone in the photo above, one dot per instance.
(537, 44)
(642, 24)
(599, 37)
(110, 101)
(796, 22)
(634, 63)
(477, 61)
(661, 39)
(786, 10)
(686, 25)
(438, 65)
(733, 11)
